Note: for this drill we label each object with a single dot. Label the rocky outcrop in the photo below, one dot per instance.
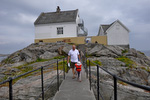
(138, 72)
(29, 88)
(100, 50)
(36, 51)
(112, 58)
(124, 91)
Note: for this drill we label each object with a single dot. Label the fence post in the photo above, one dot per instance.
(90, 74)
(97, 82)
(64, 67)
(67, 64)
(10, 89)
(57, 77)
(42, 83)
(86, 68)
(115, 88)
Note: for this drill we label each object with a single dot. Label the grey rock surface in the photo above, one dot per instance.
(48, 55)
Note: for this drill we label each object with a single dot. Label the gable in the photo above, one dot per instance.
(57, 17)
(117, 22)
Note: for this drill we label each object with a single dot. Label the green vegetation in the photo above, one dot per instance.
(41, 60)
(124, 51)
(60, 66)
(141, 52)
(22, 69)
(144, 68)
(128, 62)
(120, 82)
(7, 60)
(95, 61)
(4, 78)
(72, 44)
(26, 68)
(59, 57)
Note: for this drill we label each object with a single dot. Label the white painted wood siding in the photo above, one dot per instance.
(117, 35)
(50, 30)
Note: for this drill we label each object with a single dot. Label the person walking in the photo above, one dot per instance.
(74, 56)
(78, 69)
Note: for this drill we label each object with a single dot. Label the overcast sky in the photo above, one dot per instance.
(17, 18)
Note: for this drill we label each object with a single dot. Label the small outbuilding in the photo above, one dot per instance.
(117, 33)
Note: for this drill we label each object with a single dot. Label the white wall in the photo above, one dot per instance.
(50, 30)
(117, 35)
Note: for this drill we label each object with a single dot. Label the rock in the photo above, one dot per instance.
(36, 50)
(94, 50)
(105, 52)
(148, 80)
(29, 88)
(48, 55)
(66, 49)
(13, 70)
(115, 49)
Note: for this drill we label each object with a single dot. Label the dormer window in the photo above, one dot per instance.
(59, 30)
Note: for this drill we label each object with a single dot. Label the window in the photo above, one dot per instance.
(59, 30)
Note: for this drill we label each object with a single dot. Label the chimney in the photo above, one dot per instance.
(58, 9)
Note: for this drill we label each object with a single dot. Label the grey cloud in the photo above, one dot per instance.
(17, 18)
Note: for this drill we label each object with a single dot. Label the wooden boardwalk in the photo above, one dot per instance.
(71, 89)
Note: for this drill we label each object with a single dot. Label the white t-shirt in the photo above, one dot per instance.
(74, 55)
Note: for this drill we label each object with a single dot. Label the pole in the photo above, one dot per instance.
(42, 83)
(115, 88)
(57, 77)
(64, 67)
(90, 74)
(10, 89)
(97, 82)
(86, 69)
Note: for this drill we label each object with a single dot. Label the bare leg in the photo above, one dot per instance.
(73, 73)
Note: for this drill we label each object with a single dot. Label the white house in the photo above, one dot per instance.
(59, 24)
(117, 33)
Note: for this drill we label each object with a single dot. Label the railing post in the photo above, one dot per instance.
(86, 68)
(57, 76)
(97, 82)
(67, 66)
(90, 74)
(64, 67)
(10, 89)
(115, 88)
(42, 83)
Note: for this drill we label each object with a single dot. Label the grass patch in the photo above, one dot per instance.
(144, 68)
(25, 68)
(95, 61)
(128, 62)
(141, 52)
(41, 60)
(59, 57)
(7, 60)
(124, 51)
(120, 82)
(60, 66)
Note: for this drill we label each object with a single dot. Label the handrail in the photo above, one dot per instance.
(115, 81)
(119, 78)
(42, 82)
(24, 73)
